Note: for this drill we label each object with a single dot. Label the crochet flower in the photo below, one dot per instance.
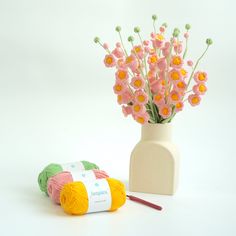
(161, 64)
(184, 73)
(176, 62)
(118, 52)
(200, 88)
(155, 86)
(158, 40)
(166, 49)
(200, 76)
(178, 47)
(138, 50)
(194, 99)
(125, 97)
(131, 62)
(165, 111)
(138, 109)
(179, 106)
(142, 118)
(109, 60)
(122, 75)
(138, 82)
(152, 60)
(174, 97)
(127, 110)
(119, 87)
(175, 75)
(181, 85)
(141, 97)
(158, 99)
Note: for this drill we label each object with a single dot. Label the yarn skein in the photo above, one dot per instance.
(74, 197)
(56, 182)
(53, 169)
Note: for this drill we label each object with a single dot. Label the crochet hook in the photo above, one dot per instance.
(146, 203)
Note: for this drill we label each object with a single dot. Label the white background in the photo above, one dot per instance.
(57, 105)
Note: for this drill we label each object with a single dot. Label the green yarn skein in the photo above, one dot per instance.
(53, 169)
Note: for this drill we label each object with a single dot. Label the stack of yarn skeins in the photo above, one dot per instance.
(81, 187)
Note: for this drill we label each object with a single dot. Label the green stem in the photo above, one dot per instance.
(144, 60)
(186, 48)
(194, 68)
(108, 51)
(121, 40)
(168, 64)
(154, 26)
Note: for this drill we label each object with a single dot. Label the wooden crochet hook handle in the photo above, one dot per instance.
(146, 203)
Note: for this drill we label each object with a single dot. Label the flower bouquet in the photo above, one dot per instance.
(153, 82)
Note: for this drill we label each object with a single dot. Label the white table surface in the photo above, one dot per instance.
(27, 211)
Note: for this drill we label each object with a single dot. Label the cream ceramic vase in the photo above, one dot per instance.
(154, 162)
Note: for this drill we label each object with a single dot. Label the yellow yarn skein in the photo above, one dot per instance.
(74, 197)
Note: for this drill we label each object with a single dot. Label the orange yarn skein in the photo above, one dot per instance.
(74, 197)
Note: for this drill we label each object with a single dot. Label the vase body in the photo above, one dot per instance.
(154, 161)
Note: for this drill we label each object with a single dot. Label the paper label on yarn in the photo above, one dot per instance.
(73, 166)
(99, 195)
(87, 175)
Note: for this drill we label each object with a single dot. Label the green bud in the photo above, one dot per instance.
(96, 40)
(209, 41)
(154, 17)
(118, 28)
(136, 29)
(187, 26)
(130, 38)
(164, 25)
(176, 32)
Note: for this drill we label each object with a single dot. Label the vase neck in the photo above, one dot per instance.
(157, 132)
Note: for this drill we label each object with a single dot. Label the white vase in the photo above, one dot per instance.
(154, 162)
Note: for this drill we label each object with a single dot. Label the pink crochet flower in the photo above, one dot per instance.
(184, 73)
(155, 86)
(152, 59)
(176, 62)
(138, 50)
(138, 108)
(109, 60)
(138, 82)
(120, 64)
(194, 99)
(127, 110)
(158, 41)
(146, 42)
(179, 106)
(200, 76)
(165, 111)
(174, 97)
(131, 62)
(158, 99)
(119, 87)
(125, 97)
(161, 64)
(118, 52)
(175, 75)
(190, 63)
(178, 47)
(122, 75)
(141, 97)
(180, 86)
(142, 118)
(105, 46)
(200, 88)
